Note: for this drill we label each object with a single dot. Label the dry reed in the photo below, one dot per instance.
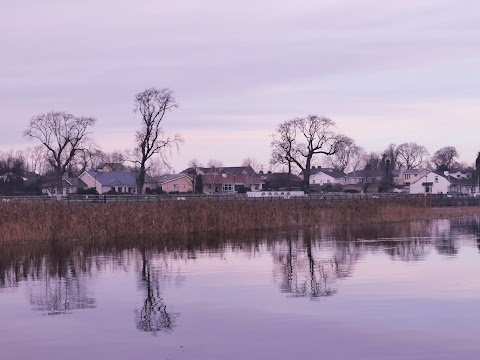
(39, 222)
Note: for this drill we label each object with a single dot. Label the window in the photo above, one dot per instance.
(176, 187)
(67, 190)
(407, 176)
(227, 187)
(436, 179)
(112, 188)
(313, 181)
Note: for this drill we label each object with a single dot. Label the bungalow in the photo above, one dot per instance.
(70, 186)
(230, 183)
(176, 182)
(433, 182)
(320, 176)
(364, 176)
(122, 182)
(463, 185)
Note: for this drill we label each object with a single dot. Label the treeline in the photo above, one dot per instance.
(301, 143)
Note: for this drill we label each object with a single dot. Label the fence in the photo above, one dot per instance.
(435, 200)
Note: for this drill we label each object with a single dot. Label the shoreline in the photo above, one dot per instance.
(29, 222)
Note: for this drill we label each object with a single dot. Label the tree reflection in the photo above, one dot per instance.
(153, 316)
(301, 274)
(60, 285)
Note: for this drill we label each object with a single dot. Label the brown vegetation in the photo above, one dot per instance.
(56, 221)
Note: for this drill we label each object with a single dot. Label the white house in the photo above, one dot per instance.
(321, 176)
(433, 182)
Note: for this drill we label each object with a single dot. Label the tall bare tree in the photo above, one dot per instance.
(215, 163)
(391, 153)
(193, 166)
(64, 136)
(348, 156)
(445, 157)
(299, 140)
(152, 105)
(411, 155)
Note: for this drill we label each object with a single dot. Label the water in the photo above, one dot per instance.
(399, 291)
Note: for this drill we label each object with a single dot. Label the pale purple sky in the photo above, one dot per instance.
(385, 71)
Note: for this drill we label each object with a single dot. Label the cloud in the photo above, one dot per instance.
(240, 68)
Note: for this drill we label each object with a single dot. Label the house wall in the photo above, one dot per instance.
(183, 185)
(464, 189)
(321, 178)
(440, 184)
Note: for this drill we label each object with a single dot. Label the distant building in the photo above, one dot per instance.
(176, 182)
(433, 182)
(122, 182)
(321, 176)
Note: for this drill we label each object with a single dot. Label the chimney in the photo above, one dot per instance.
(446, 173)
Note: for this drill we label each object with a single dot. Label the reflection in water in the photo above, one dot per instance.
(153, 316)
(306, 263)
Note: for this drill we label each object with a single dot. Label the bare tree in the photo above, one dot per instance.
(152, 105)
(36, 159)
(349, 155)
(444, 158)
(299, 140)
(215, 163)
(193, 166)
(411, 155)
(372, 161)
(391, 154)
(64, 136)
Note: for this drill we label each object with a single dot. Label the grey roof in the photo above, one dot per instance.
(280, 177)
(462, 181)
(365, 173)
(171, 177)
(413, 171)
(222, 169)
(76, 182)
(117, 178)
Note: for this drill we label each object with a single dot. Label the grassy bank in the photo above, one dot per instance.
(40, 222)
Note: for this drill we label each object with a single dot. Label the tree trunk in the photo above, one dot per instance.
(58, 179)
(288, 176)
(141, 180)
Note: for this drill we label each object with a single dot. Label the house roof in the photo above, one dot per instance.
(280, 177)
(425, 177)
(413, 171)
(328, 171)
(171, 177)
(114, 166)
(230, 179)
(462, 181)
(221, 170)
(117, 178)
(365, 173)
(74, 182)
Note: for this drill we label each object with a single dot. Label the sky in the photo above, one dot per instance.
(385, 72)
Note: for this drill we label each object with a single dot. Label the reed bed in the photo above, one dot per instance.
(20, 222)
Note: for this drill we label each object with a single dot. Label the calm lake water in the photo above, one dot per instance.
(397, 291)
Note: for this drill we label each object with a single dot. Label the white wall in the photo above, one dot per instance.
(321, 178)
(440, 184)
